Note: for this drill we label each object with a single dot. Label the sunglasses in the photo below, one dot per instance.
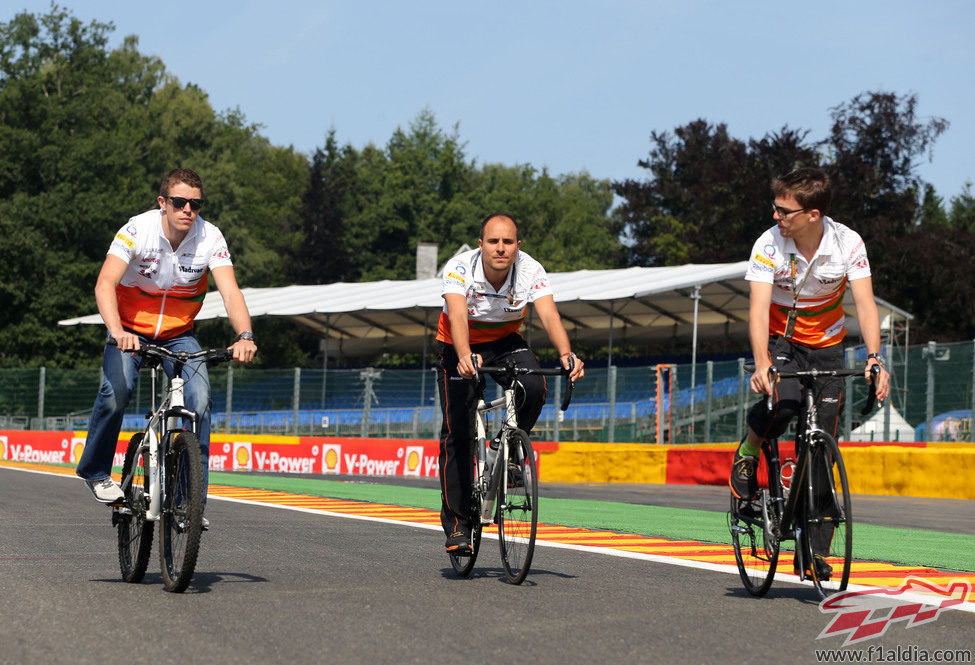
(782, 212)
(179, 202)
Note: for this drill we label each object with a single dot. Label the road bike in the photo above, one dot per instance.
(505, 475)
(162, 479)
(806, 500)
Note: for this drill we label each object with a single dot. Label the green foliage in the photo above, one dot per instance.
(706, 200)
(962, 214)
(708, 194)
(365, 210)
(87, 134)
(933, 213)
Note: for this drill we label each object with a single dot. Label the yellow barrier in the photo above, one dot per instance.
(604, 463)
(938, 470)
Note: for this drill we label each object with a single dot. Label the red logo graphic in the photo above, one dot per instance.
(864, 615)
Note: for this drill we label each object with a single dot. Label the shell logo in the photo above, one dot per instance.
(77, 448)
(243, 458)
(332, 458)
(414, 461)
(3, 447)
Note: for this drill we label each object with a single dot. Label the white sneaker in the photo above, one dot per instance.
(105, 490)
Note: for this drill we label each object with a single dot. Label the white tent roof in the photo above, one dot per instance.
(872, 429)
(647, 305)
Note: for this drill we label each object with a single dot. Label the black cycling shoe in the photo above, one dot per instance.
(823, 570)
(459, 544)
(743, 483)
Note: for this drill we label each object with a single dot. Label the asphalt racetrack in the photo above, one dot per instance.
(284, 586)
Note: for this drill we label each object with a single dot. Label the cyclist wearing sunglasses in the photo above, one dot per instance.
(486, 293)
(150, 289)
(799, 271)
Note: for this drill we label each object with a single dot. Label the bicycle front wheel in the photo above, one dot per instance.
(134, 532)
(756, 547)
(181, 522)
(518, 507)
(829, 518)
(463, 565)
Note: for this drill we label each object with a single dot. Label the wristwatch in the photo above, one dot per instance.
(879, 357)
(247, 334)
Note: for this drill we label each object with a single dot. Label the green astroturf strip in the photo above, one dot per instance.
(911, 547)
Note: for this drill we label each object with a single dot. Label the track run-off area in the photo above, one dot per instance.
(300, 570)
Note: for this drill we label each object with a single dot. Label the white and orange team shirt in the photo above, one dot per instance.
(162, 290)
(492, 314)
(841, 257)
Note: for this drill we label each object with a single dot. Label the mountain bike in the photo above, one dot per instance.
(505, 477)
(162, 479)
(806, 500)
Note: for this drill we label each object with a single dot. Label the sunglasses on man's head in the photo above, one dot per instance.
(179, 202)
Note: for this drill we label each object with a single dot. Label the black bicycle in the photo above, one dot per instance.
(505, 477)
(817, 515)
(162, 478)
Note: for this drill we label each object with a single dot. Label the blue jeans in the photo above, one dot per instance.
(121, 371)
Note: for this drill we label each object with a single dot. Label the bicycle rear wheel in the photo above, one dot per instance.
(134, 532)
(181, 522)
(829, 518)
(756, 547)
(518, 507)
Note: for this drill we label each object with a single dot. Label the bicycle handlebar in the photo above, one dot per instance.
(511, 370)
(775, 375)
(160, 352)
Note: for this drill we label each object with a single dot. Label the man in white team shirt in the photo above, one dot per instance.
(798, 273)
(486, 293)
(150, 289)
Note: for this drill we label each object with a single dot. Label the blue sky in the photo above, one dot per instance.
(567, 85)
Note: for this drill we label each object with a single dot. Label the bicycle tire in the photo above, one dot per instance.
(829, 517)
(518, 508)
(756, 547)
(134, 531)
(463, 565)
(181, 521)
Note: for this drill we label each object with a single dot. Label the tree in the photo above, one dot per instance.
(87, 134)
(962, 214)
(874, 143)
(707, 195)
(322, 255)
(933, 213)
(378, 204)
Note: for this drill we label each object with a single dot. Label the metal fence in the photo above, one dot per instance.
(706, 402)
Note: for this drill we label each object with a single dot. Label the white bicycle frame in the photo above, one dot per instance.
(157, 470)
(488, 490)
